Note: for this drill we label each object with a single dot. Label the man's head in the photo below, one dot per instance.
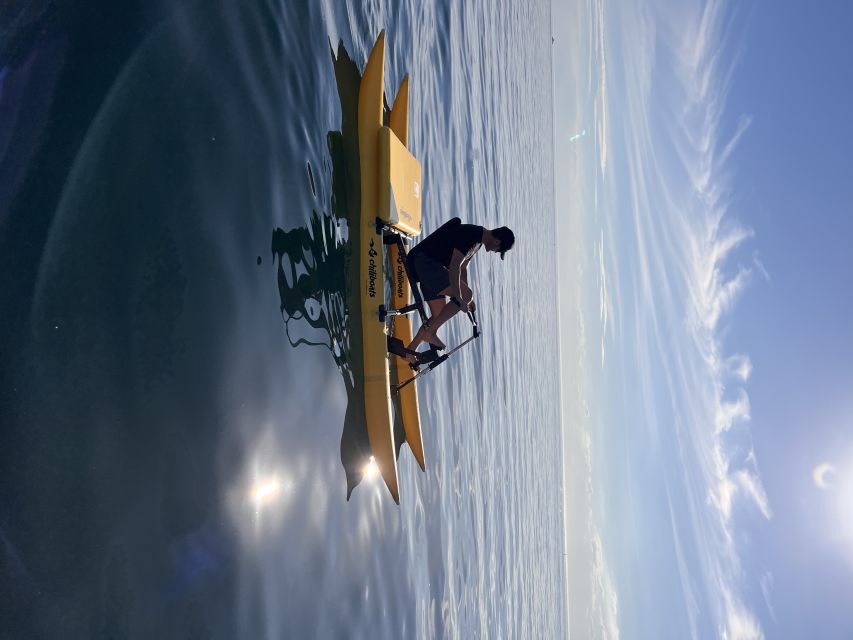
(501, 240)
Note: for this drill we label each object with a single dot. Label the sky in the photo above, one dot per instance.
(703, 147)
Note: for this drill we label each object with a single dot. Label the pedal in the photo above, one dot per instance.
(428, 356)
(396, 346)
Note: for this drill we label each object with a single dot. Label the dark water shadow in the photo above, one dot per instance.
(318, 277)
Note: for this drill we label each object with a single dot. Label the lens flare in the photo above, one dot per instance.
(823, 476)
(578, 136)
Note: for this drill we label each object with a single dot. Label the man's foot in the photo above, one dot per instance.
(430, 337)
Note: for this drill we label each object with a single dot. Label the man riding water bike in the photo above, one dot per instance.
(439, 262)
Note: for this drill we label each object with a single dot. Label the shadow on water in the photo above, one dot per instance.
(318, 306)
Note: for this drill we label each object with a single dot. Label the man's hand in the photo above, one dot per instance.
(472, 307)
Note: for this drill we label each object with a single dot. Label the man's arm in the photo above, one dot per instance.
(467, 293)
(456, 271)
(459, 279)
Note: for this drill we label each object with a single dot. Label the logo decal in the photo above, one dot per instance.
(401, 275)
(371, 270)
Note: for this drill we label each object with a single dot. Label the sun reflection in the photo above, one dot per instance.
(263, 492)
(824, 476)
(371, 469)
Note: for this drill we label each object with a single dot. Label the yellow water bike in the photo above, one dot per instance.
(391, 204)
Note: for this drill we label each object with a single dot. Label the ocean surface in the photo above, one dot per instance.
(179, 419)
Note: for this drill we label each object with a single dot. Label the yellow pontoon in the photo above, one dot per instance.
(391, 192)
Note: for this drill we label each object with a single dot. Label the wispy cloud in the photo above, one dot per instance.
(604, 610)
(604, 305)
(602, 106)
(766, 589)
(680, 259)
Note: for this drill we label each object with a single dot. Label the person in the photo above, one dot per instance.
(440, 263)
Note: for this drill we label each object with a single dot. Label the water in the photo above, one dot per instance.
(175, 192)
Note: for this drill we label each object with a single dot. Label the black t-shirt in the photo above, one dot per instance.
(440, 244)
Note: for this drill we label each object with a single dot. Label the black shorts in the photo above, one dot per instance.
(433, 276)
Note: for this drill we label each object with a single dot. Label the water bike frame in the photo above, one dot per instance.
(431, 357)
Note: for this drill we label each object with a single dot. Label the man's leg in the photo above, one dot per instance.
(436, 307)
(439, 317)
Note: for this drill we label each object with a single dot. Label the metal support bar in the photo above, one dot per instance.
(402, 311)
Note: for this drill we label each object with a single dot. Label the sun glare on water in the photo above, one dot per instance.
(371, 469)
(262, 493)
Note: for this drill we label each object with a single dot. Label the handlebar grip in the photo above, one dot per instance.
(438, 361)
